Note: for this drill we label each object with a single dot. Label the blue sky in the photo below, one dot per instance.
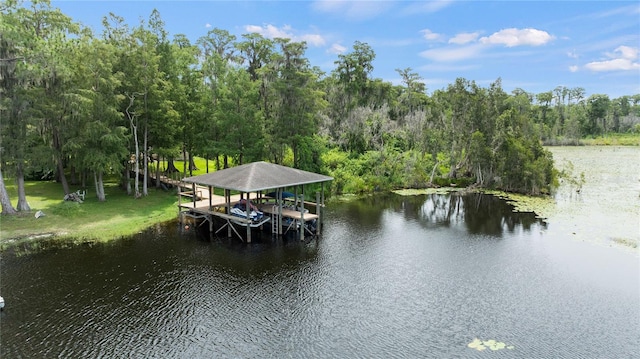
(533, 45)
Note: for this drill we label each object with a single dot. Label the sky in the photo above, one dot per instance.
(531, 45)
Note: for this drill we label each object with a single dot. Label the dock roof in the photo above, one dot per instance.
(257, 176)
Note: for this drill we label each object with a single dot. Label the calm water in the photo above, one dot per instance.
(392, 277)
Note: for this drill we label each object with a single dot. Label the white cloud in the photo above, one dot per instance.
(518, 37)
(623, 58)
(573, 68)
(336, 49)
(354, 10)
(313, 39)
(452, 54)
(464, 38)
(207, 25)
(430, 35)
(626, 52)
(286, 32)
(612, 65)
(572, 54)
(271, 31)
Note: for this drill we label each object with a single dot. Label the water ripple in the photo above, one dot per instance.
(392, 286)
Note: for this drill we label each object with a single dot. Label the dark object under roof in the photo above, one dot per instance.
(257, 176)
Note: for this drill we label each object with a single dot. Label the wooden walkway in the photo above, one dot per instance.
(171, 182)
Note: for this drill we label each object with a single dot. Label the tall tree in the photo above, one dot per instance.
(353, 70)
(298, 99)
(5, 201)
(349, 88)
(412, 97)
(217, 52)
(597, 109)
(240, 117)
(102, 143)
(36, 82)
(142, 85)
(256, 51)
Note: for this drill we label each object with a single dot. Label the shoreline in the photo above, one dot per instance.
(122, 216)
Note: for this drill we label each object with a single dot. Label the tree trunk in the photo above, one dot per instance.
(23, 205)
(171, 167)
(134, 130)
(62, 177)
(145, 164)
(73, 176)
(5, 201)
(192, 164)
(158, 173)
(184, 160)
(433, 171)
(97, 178)
(136, 180)
(57, 150)
(126, 180)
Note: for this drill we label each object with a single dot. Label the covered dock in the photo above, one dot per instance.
(254, 196)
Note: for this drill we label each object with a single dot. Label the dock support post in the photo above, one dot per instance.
(247, 208)
(227, 200)
(319, 221)
(280, 200)
(302, 223)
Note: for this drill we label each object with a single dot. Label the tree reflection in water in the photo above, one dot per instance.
(477, 213)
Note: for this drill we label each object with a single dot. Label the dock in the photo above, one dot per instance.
(254, 197)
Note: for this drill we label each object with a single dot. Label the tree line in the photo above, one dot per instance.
(82, 107)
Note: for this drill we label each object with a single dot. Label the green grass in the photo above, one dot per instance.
(120, 215)
(200, 162)
(92, 221)
(613, 139)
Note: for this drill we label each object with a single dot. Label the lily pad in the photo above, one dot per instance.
(475, 343)
(417, 192)
(492, 344)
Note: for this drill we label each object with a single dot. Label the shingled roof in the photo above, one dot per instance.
(257, 176)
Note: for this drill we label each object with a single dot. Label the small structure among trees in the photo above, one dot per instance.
(250, 185)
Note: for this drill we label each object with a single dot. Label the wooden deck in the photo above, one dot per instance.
(207, 201)
(205, 206)
(197, 198)
(287, 213)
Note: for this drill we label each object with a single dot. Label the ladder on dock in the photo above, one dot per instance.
(274, 220)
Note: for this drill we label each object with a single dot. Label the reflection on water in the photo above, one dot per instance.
(392, 276)
(477, 213)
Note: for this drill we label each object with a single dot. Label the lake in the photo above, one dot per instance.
(423, 276)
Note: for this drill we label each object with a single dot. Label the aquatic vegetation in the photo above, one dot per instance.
(417, 192)
(492, 344)
(631, 243)
(543, 206)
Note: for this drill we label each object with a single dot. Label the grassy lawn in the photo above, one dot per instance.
(200, 163)
(120, 215)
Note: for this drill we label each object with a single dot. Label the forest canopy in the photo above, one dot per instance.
(79, 107)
